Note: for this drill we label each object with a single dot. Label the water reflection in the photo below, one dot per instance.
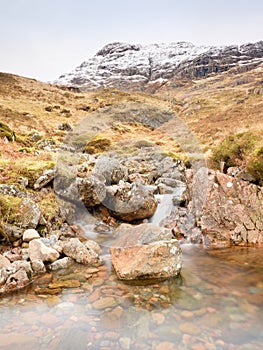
(217, 303)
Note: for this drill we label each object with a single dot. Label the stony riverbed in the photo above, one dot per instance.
(216, 303)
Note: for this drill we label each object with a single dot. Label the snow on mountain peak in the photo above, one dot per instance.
(135, 66)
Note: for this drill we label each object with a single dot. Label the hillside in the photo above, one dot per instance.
(212, 107)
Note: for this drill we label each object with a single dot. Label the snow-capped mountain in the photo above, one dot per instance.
(139, 67)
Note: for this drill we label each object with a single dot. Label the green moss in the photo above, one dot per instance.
(9, 208)
(5, 131)
(25, 150)
(49, 206)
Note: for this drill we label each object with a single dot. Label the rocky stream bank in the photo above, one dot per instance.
(138, 209)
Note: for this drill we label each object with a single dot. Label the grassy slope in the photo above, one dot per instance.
(212, 107)
(219, 105)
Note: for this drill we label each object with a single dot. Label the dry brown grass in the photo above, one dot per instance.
(213, 108)
(220, 105)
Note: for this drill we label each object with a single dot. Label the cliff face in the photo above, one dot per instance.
(138, 67)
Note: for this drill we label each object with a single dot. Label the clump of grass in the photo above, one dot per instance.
(6, 132)
(9, 208)
(234, 149)
(98, 144)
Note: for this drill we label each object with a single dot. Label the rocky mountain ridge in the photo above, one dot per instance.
(147, 67)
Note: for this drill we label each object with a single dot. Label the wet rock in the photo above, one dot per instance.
(39, 251)
(30, 234)
(131, 202)
(16, 276)
(76, 250)
(92, 245)
(45, 179)
(145, 252)
(166, 345)
(158, 318)
(65, 284)
(49, 291)
(63, 263)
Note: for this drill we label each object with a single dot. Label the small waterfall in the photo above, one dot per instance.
(164, 208)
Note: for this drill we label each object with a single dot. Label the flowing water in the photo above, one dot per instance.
(216, 303)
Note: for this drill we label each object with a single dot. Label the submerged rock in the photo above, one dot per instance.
(145, 252)
(15, 276)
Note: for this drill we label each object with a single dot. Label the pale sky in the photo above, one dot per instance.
(43, 39)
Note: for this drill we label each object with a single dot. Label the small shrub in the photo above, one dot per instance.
(97, 145)
(255, 165)
(234, 149)
(244, 150)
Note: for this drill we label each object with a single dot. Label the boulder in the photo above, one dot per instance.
(233, 212)
(145, 252)
(30, 234)
(130, 202)
(45, 179)
(39, 251)
(29, 214)
(78, 251)
(91, 189)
